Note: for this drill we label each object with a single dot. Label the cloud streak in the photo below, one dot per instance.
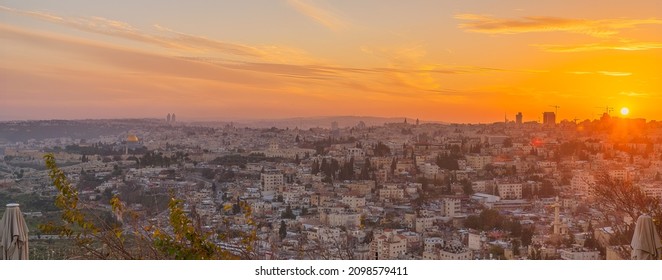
(261, 76)
(634, 94)
(319, 15)
(132, 59)
(623, 46)
(615, 74)
(167, 38)
(534, 24)
(406, 72)
(605, 73)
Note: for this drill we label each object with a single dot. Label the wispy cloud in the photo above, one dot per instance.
(622, 46)
(615, 74)
(405, 71)
(606, 73)
(321, 16)
(321, 71)
(164, 37)
(592, 27)
(134, 60)
(634, 94)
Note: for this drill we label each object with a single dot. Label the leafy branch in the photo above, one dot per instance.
(182, 239)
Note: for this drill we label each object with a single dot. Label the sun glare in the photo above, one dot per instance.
(625, 111)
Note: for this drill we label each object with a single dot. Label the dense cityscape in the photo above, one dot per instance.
(406, 189)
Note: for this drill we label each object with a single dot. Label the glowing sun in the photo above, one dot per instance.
(625, 111)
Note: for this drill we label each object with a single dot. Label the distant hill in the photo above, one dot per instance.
(12, 131)
(324, 122)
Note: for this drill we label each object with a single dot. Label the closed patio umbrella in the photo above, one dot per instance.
(13, 234)
(646, 244)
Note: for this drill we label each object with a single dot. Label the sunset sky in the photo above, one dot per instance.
(454, 61)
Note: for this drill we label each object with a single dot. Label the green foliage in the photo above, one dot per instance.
(508, 143)
(616, 199)
(365, 170)
(467, 187)
(487, 220)
(527, 236)
(516, 247)
(282, 231)
(67, 200)
(569, 240)
(287, 214)
(188, 241)
(315, 167)
(347, 170)
(381, 150)
(497, 252)
(547, 189)
(102, 239)
(448, 162)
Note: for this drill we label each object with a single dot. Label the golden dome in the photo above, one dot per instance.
(132, 138)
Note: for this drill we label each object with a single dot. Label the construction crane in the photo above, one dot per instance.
(607, 109)
(556, 107)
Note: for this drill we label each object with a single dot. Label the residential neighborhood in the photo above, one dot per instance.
(406, 190)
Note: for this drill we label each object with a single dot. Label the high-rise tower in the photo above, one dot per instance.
(548, 118)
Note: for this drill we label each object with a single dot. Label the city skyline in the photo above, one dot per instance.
(451, 62)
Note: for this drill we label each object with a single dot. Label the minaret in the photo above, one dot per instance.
(557, 219)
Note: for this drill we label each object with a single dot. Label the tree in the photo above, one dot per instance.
(508, 143)
(617, 198)
(472, 222)
(282, 231)
(487, 220)
(208, 173)
(315, 167)
(497, 252)
(547, 189)
(347, 170)
(99, 239)
(515, 228)
(287, 214)
(527, 236)
(448, 162)
(569, 240)
(368, 237)
(467, 187)
(590, 241)
(516, 246)
(381, 150)
(365, 170)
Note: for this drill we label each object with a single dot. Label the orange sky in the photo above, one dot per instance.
(433, 60)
